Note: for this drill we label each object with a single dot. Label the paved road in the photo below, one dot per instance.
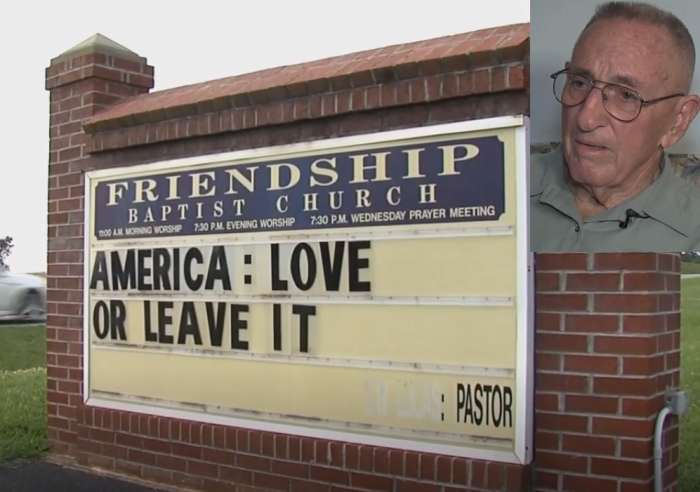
(41, 476)
(690, 275)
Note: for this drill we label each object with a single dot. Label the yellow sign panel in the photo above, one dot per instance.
(370, 289)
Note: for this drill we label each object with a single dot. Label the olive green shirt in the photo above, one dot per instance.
(670, 208)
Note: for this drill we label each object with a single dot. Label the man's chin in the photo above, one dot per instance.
(588, 172)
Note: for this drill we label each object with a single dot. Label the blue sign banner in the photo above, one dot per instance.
(457, 180)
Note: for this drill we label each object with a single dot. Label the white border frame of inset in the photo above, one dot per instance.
(523, 433)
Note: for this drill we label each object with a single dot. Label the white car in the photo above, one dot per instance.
(22, 297)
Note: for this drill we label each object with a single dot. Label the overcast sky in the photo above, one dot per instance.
(186, 42)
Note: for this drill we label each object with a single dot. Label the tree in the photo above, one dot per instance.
(5, 250)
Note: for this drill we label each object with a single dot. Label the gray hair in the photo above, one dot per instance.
(650, 14)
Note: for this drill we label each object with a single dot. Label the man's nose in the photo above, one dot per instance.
(591, 112)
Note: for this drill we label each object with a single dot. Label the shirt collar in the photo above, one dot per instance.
(661, 200)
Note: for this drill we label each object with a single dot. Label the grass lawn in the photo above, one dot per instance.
(22, 392)
(687, 267)
(690, 382)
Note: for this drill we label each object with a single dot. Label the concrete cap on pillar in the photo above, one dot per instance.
(99, 57)
(101, 44)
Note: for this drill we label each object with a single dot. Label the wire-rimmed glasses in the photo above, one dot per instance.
(621, 102)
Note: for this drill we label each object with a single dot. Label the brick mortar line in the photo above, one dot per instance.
(606, 292)
(600, 375)
(604, 313)
(586, 435)
(598, 270)
(82, 68)
(597, 354)
(613, 416)
(609, 334)
(573, 475)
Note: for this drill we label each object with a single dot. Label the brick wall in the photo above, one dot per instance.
(607, 327)
(608, 346)
(470, 76)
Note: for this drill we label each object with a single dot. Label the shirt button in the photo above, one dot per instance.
(578, 228)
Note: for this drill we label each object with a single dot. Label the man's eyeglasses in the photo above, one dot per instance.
(621, 102)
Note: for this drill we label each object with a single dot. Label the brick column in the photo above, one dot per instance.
(88, 77)
(608, 346)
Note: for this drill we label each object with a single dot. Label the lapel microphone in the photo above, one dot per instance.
(629, 213)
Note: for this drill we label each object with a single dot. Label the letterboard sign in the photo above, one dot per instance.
(371, 289)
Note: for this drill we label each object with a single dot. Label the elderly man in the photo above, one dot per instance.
(609, 186)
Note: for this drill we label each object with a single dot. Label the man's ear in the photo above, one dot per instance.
(567, 64)
(686, 110)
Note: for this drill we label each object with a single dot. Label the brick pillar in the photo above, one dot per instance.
(608, 346)
(90, 76)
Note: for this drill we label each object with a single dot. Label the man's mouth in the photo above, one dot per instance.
(592, 146)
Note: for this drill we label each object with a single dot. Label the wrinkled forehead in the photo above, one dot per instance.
(630, 53)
